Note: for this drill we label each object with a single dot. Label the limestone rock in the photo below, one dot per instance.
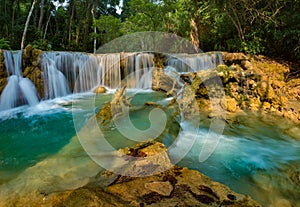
(3, 73)
(153, 159)
(162, 82)
(230, 105)
(246, 65)
(100, 89)
(162, 188)
(230, 58)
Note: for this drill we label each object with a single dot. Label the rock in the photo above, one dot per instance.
(266, 92)
(100, 89)
(154, 159)
(32, 68)
(162, 82)
(171, 187)
(3, 72)
(114, 108)
(230, 105)
(225, 73)
(104, 116)
(246, 65)
(187, 187)
(162, 188)
(236, 58)
(151, 103)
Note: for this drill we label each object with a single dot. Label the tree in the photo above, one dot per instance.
(109, 28)
(27, 23)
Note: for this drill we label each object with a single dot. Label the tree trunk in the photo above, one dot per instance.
(71, 22)
(26, 24)
(95, 31)
(194, 35)
(46, 27)
(41, 15)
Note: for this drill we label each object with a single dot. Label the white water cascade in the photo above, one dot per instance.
(195, 62)
(84, 72)
(64, 73)
(19, 90)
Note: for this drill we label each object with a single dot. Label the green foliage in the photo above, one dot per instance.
(4, 44)
(253, 26)
(109, 28)
(254, 44)
(41, 45)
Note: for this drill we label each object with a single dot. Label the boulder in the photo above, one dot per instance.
(100, 89)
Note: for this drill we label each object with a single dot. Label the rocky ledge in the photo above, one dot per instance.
(173, 187)
(242, 84)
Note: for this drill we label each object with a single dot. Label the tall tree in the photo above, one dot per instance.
(27, 23)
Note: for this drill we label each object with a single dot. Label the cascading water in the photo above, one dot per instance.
(195, 62)
(84, 72)
(19, 90)
(56, 85)
(67, 72)
(139, 68)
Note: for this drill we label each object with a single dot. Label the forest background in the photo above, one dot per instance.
(270, 28)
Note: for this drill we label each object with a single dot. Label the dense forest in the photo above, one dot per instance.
(252, 26)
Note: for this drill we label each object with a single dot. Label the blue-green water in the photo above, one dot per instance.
(255, 156)
(26, 139)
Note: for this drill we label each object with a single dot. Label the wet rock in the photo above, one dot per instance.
(176, 185)
(114, 108)
(104, 116)
(100, 89)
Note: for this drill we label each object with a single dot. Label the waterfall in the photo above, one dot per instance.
(64, 73)
(84, 72)
(195, 62)
(139, 68)
(56, 85)
(19, 90)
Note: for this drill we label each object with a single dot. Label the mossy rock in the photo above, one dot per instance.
(3, 73)
(31, 56)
